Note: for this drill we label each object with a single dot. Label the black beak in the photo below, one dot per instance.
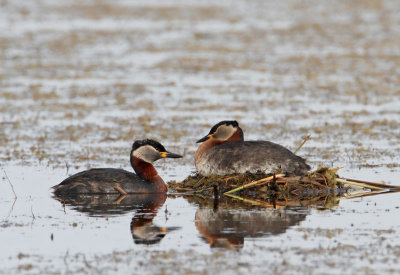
(170, 155)
(171, 228)
(203, 139)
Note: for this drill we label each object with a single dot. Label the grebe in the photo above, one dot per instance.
(144, 206)
(110, 180)
(224, 152)
(228, 226)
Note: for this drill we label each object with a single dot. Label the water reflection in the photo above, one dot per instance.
(145, 206)
(226, 222)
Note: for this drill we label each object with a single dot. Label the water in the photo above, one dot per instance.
(81, 80)
(42, 235)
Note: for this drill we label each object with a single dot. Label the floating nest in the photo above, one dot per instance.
(323, 185)
(263, 186)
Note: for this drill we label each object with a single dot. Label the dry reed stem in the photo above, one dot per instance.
(252, 201)
(360, 184)
(119, 199)
(375, 184)
(12, 187)
(254, 183)
(120, 190)
(301, 145)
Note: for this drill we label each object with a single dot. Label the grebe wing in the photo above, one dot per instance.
(256, 156)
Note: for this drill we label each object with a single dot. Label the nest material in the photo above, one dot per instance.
(322, 201)
(262, 186)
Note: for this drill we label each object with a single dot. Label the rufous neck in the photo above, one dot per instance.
(144, 169)
(206, 145)
(147, 171)
(151, 204)
(237, 136)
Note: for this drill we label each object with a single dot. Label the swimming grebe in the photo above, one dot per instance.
(110, 180)
(224, 152)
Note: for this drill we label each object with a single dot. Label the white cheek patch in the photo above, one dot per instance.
(224, 132)
(146, 153)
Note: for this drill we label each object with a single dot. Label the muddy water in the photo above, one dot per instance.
(80, 80)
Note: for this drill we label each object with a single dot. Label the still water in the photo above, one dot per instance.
(102, 234)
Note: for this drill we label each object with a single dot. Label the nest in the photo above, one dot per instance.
(262, 186)
(322, 188)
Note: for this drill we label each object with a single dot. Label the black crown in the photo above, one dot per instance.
(155, 144)
(233, 123)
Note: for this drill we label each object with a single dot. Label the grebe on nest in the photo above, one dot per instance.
(223, 151)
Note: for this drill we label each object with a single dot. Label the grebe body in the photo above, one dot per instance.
(110, 180)
(224, 152)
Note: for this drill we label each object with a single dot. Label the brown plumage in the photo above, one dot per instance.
(225, 152)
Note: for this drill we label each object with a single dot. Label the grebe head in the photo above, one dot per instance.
(227, 130)
(149, 151)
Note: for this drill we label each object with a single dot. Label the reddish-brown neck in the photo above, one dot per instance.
(147, 171)
(151, 204)
(205, 146)
(237, 136)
